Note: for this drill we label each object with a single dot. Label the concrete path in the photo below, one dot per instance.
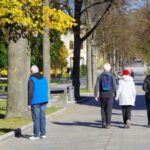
(79, 128)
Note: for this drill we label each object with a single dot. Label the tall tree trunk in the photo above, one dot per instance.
(94, 72)
(77, 47)
(89, 65)
(46, 51)
(76, 66)
(46, 55)
(18, 73)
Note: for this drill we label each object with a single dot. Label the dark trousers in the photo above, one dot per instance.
(106, 110)
(126, 113)
(147, 100)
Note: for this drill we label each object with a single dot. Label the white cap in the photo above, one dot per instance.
(107, 67)
(34, 69)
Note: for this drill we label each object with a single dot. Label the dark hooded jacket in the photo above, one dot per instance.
(146, 85)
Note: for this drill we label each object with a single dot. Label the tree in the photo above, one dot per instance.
(3, 52)
(20, 19)
(78, 39)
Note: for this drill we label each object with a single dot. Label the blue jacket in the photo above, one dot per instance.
(37, 89)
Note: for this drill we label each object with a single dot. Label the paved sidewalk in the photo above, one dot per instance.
(78, 128)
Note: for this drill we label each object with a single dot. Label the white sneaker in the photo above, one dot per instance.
(34, 138)
(43, 137)
(128, 123)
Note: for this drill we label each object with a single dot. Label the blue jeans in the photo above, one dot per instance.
(39, 121)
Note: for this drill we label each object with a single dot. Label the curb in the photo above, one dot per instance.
(18, 131)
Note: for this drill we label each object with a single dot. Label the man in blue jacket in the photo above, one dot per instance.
(37, 100)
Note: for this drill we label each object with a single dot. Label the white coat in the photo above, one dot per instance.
(126, 93)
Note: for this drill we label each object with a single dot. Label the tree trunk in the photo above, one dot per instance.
(89, 66)
(94, 72)
(18, 73)
(46, 55)
(46, 52)
(76, 66)
(77, 46)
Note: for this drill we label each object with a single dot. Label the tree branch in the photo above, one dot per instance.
(95, 24)
(90, 5)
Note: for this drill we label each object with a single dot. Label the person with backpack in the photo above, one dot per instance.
(146, 88)
(105, 89)
(126, 95)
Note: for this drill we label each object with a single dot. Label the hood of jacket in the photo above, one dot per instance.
(148, 77)
(127, 78)
(37, 75)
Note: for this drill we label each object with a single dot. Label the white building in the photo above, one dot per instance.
(68, 40)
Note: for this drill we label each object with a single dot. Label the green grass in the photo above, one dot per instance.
(84, 90)
(10, 124)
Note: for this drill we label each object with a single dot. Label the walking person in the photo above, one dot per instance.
(126, 95)
(37, 100)
(105, 89)
(146, 88)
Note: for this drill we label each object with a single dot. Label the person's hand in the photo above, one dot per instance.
(97, 99)
(29, 107)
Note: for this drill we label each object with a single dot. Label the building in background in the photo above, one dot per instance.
(68, 40)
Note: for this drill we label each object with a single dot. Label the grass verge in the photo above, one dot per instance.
(10, 124)
(84, 90)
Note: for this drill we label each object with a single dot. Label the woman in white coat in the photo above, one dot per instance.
(126, 94)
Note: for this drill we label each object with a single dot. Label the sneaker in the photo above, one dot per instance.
(108, 126)
(34, 138)
(128, 124)
(43, 137)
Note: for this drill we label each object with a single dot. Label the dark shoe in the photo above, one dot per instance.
(103, 126)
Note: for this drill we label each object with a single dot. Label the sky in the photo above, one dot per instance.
(135, 4)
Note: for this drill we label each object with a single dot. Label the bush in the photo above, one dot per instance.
(83, 70)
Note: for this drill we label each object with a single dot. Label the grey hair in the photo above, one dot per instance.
(34, 69)
(107, 67)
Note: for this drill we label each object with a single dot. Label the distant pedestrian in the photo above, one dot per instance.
(105, 88)
(132, 73)
(37, 100)
(126, 95)
(146, 88)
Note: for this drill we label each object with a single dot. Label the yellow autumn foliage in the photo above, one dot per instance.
(33, 15)
(3, 72)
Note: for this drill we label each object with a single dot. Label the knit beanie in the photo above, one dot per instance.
(125, 72)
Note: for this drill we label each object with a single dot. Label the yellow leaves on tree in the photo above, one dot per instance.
(33, 15)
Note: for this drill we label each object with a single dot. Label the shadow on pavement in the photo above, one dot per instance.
(138, 84)
(139, 103)
(78, 123)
